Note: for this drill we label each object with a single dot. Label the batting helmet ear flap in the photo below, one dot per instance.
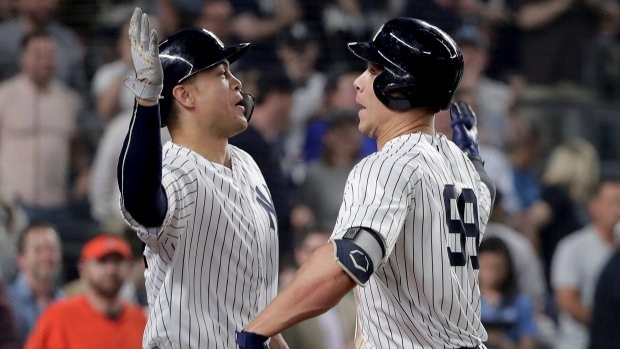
(385, 90)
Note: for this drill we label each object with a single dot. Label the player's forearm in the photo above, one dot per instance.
(139, 170)
(318, 286)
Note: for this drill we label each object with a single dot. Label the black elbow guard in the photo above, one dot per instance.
(359, 253)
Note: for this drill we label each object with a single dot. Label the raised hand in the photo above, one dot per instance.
(149, 79)
(464, 130)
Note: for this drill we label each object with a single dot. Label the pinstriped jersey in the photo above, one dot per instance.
(212, 265)
(425, 199)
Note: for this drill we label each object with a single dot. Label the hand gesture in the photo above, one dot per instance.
(464, 130)
(149, 79)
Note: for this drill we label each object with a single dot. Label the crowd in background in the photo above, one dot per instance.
(543, 77)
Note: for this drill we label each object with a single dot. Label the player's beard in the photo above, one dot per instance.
(107, 289)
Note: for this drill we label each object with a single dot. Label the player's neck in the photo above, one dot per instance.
(214, 149)
(413, 121)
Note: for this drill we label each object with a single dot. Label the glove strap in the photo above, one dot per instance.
(142, 90)
(249, 340)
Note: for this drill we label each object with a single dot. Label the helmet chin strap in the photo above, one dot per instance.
(248, 105)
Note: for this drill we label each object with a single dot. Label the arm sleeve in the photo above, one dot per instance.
(139, 171)
(377, 196)
(484, 178)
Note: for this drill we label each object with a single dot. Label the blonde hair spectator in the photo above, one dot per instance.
(575, 166)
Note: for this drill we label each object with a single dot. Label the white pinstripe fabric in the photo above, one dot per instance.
(416, 299)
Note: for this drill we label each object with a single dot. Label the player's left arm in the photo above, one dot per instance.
(465, 136)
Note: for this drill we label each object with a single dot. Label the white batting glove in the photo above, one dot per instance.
(149, 79)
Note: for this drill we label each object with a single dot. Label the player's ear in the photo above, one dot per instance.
(184, 95)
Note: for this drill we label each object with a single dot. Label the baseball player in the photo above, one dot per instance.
(200, 205)
(412, 214)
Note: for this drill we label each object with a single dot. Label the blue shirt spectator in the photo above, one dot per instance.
(39, 262)
(27, 305)
(514, 315)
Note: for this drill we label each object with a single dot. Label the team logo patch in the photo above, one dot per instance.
(359, 260)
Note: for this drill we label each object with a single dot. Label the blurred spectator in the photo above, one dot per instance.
(493, 99)
(335, 329)
(175, 15)
(9, 338)
(524, 147)
(555, 37)
(298, 50)
(270, 120)
(259, 22)
(323, 187)
(577, 263)
(35, 16)
(569, 179)
(527, 267)
(98, 318)
(528, 271)
(351, 20)
(134, 288)
(35, 288)
(604, 332)
(440, 13)
(111, 96)
(506, 314)
(13, 221)
(104, 194)
(216, 16)
(339, 94)
(38, 140)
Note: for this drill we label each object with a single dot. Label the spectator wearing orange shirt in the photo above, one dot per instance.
(98, 318)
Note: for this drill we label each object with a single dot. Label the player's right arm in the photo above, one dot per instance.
(139, 171)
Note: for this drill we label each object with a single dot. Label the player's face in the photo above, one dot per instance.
(373, 113)
(493, 270)
(41, 258)
(218, 98)
(105, 275)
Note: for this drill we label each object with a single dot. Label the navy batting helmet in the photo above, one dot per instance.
(188, 52)
(421, 62)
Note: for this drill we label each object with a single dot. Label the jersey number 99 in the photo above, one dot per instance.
(462, 219)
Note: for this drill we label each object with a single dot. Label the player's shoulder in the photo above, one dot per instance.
(450, 149)
(381, 165)
(178, 155)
